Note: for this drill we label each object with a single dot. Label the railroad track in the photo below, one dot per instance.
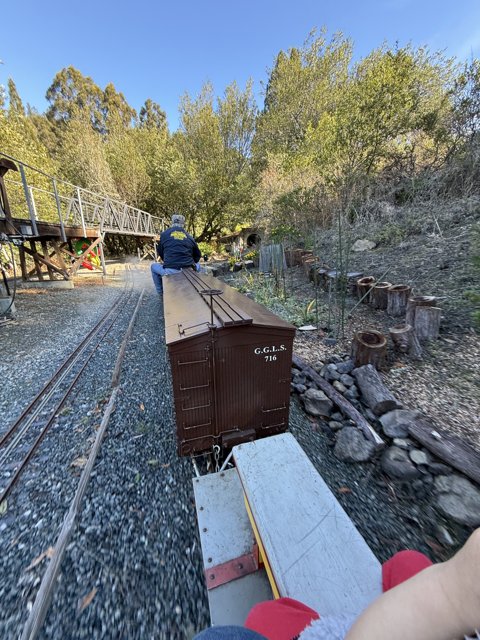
(21, 440)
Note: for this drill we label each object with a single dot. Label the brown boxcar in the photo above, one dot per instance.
(230, 359)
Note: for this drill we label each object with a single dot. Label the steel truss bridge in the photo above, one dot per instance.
(43, 215)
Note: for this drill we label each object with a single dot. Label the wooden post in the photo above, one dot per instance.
(427, 322)
(38, 266)
(405, 341)
(23, 263)
(378, 295)
(418, 301)
(397, 297)
(369, 347)
(47, 256)
(364, 286)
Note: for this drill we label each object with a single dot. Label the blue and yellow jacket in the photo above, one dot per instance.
(177, 248)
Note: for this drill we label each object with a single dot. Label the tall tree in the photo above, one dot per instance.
(152, 116)
(15, 104)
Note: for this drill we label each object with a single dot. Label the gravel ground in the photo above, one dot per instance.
(133, 566)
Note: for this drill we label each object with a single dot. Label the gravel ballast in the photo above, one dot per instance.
(133, 567)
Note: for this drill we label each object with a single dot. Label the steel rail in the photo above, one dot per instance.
(23, 428)
(60, 372)
(19, 470)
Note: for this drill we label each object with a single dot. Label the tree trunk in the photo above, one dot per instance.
(364, 286)
(405, 341)
(427, 322)
(369, 347)
(375, 394)
(342, 403)
(378, 295)
(397, 297)
(418, 301)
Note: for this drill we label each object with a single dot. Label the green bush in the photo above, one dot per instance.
(390, 234)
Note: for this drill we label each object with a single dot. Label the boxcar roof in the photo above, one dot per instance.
(187, 310)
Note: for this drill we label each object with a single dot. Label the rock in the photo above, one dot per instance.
(395, 423)
(249, 264)
(317, 403)
(352, 446)
(442, 534)
(419, 457)
(329, 342)
(396, 464)
(337, 416)
(345, 379)
(339, 386)
(335, 426)
(318, 366)
(403, 443)
(331, 372)
(335, 359)
(299, 378)
(298, 388)
(363, 245)
(439, 469)
(352, 393)
(458, 499)
(345, 367)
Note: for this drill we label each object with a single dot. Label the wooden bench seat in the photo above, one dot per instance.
(311, 548)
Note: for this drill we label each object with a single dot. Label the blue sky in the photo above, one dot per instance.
(164, 49)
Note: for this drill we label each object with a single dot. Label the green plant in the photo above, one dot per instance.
(206, 248)
(390, 234)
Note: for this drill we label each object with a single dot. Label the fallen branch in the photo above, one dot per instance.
(336, 397)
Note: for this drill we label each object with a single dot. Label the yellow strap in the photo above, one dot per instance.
(261, 549)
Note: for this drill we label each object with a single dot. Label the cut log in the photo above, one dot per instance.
(375, 393)
(337, 398)
(451, 449)
(364, 286)
(418, 301)
(309, 263)
(353, 277)
(427, 322)
(397, 298)
(405, 341)
(378, 294)
(369, 347)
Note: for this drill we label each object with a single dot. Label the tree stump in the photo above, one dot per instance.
(397, 297)
(378, 294)
(308, 263)
(375, 394)
(427, 322)
(405, 341)
(369, 347)
(363, 288)
(352, 278)
(418, 301)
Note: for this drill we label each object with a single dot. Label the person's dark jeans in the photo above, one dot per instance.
(228, 633)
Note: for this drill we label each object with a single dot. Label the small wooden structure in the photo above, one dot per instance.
(404, 340)
(378, 294)
(364, 286)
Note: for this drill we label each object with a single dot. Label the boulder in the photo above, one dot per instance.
(345, 367)
(395, 423)
(335, 426)
(352, 446)
(339, 386)
(419, 457)
(352, 393)
(331, 373)
(316, 403)
(345, 379)
(396, 464)
(403, 443)
(439, 469)
(458, 499)
(363, 245)
(298, 388)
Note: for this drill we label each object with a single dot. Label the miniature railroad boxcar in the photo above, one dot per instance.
(230, 359)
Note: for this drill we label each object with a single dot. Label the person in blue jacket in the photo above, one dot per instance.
(177, 249)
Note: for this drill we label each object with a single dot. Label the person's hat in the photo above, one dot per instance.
(178, 219)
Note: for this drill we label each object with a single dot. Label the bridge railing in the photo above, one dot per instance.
(60, 202)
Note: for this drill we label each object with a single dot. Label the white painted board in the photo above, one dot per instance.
(316, 554)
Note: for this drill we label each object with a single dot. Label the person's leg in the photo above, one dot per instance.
(157, 272)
